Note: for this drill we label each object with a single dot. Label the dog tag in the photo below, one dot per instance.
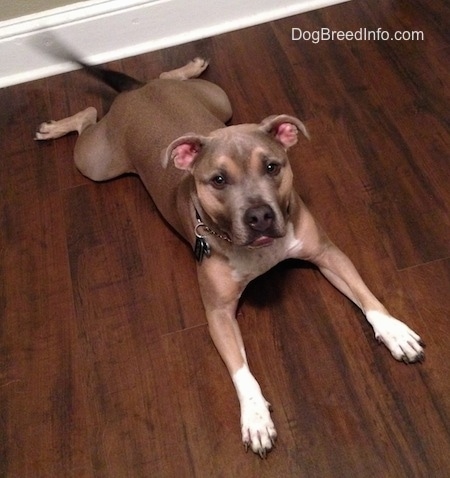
(201, 249)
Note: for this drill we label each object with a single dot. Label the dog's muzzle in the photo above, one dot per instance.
(262, 225)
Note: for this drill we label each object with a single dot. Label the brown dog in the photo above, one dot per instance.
(228, 191)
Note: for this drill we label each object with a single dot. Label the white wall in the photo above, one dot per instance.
(102, 31)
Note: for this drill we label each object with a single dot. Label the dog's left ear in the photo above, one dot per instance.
(284, 129)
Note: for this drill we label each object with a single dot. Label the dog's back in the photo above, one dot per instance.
(149, 119)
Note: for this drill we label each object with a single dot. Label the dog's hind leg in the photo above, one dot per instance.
(193, 69)
(94, 157)
(78, 122)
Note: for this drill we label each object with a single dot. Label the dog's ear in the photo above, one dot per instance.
(284, 129)
(184, 151)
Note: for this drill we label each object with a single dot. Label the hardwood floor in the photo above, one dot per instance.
(107, 368)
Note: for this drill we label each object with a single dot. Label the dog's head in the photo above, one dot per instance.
(243, 177)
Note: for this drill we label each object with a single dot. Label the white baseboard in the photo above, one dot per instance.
(107, 30)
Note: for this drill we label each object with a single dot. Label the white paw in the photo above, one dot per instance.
(403, 343)
(258, 430)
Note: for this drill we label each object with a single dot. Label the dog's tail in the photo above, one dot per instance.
(115, 79)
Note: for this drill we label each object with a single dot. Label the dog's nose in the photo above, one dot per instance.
(259, 218)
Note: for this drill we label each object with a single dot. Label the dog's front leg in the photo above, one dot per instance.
(221, 293)
(403, 343)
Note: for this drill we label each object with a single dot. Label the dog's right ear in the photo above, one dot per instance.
(184, 151)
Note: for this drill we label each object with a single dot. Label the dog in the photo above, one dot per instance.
(228, 191)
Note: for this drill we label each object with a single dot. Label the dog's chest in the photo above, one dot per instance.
(247, 264)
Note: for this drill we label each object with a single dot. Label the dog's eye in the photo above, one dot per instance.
(273, 169)
(218, 181)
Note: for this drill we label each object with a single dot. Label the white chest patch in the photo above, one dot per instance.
(247, 263)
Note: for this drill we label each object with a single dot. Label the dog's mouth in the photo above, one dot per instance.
(262, 241)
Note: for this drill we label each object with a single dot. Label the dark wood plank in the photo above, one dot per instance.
(380, 144)
(106, 365)
(36, 305)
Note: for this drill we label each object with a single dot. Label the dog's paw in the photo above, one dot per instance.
(258, 430)
(51, 130)
(197, 66)
(45, 130)
(403, 343)
(193, 69)
(78, 122)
